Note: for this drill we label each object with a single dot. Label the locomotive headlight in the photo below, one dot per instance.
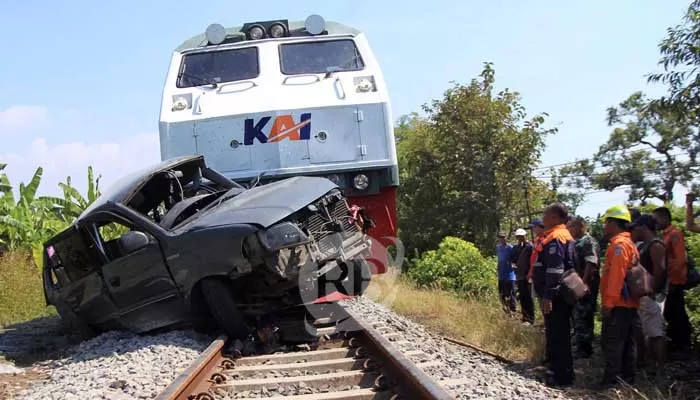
(361, 181)
(182, 102)
(277, 30)
(256, 32)
(364, 84)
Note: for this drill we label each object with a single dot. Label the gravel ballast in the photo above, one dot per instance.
(126, 366)
(483, 376)
(119, 366)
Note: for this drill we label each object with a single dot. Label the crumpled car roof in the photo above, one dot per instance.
(123, 190)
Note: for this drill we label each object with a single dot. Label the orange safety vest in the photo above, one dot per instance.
(675, 251)
(618, 259)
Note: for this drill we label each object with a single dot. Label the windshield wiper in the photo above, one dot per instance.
(338, 68)
(257, 180)
(200, 79)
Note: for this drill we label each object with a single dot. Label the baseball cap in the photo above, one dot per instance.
(645, 220)
(501, 234)
(520, 232)
(537, 222)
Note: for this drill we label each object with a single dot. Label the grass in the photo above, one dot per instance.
(21, 290)
(481, 322)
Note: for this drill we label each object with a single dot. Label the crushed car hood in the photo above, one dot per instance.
(263, 205)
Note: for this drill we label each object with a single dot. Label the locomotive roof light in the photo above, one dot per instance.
(215, 34)
(256, 32)
(315, 24)
(277, 30)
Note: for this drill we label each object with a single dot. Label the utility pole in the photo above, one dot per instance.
(527, 207)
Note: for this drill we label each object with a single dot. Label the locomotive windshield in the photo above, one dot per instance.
(319, 57)
(218, 66)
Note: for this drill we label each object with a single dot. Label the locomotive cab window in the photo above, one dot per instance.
(319, 57)
(199, 69)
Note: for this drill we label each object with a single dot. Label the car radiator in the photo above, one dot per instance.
(331, 225)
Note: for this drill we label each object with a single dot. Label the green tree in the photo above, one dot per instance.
(464, 164)
(649, 149)
(680, 59)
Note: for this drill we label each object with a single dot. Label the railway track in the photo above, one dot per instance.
(353, 360)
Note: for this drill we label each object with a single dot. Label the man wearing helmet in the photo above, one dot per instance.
(521, 260)
(621, 322)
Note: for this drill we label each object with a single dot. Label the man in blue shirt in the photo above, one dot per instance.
(506, 274)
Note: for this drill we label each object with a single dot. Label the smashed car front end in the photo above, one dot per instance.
(321, 249)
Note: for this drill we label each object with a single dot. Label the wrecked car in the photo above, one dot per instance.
(179, 244)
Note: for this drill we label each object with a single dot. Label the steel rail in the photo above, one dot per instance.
(194, 379)
(416, 383)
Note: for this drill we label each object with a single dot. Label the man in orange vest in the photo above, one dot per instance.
(621, 323)
(679, 329)
(554, 257)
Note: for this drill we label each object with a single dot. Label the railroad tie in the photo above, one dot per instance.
(345, 378)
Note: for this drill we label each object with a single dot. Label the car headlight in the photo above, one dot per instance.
(282, 235)
(182, 101)
(361, 181)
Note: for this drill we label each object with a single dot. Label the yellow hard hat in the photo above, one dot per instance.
(618, 212)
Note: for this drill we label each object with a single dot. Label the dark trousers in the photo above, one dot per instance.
(619, 342)
(584, 316)
(678, 330)
(506, 290)
(557, 325)
(527, 306)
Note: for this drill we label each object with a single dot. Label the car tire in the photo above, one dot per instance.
(219, 297)
(74, 324)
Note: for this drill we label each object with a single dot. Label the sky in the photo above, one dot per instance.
(81, 81)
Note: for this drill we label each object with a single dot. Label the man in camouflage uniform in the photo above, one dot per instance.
(586, 265)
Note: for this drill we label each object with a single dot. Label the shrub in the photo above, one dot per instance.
(456, 265)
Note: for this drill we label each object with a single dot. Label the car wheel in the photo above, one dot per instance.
(218, 296)
(73, 324)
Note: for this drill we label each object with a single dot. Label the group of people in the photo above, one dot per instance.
(634, 329)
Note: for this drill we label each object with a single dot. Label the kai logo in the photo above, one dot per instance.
(283, 127)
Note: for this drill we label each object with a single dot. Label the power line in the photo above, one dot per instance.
(646, 149)
(676, 168)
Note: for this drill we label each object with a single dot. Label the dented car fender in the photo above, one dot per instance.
(215, 251)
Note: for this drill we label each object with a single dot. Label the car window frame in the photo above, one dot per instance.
(116, 215)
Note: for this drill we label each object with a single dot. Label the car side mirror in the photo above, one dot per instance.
(132, 241)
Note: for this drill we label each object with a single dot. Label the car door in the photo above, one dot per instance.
(138, 280)
(72, 278)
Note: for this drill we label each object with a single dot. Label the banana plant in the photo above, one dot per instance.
(73, 203)
(26, 221)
